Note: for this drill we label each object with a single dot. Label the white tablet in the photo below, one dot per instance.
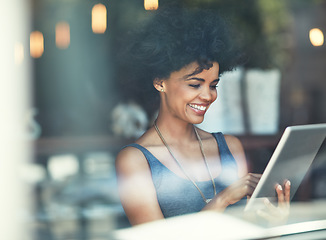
(291, 160)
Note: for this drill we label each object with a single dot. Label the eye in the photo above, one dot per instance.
(214, 87)
(194, 85)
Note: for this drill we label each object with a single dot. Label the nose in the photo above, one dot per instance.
(207, 94)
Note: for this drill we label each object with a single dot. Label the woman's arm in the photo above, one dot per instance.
(136, 188)
(243, 187)
(247, 184)
(238, 153)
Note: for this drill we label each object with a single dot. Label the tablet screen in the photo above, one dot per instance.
(291, 160)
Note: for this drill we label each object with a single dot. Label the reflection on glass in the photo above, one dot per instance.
(62, 35)
(36, 44)
(316, 37)
(99, 18)
(19, 53)
(151, 4)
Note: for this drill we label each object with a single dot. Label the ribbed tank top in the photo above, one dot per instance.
(177, 195)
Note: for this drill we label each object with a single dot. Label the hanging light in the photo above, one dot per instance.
(62, 35)
(151, 4)
(316, 37)
(99, 18)
(36, 41)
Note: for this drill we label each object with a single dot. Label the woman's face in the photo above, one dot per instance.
(186, 95)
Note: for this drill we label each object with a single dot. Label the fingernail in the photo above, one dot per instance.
(288, 183)
(279, 187)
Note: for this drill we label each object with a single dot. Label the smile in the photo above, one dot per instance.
(198, 107)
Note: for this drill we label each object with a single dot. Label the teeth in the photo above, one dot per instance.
(202, 108)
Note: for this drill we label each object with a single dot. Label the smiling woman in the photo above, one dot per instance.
(155, 50)
(188, 93)
(175, 168)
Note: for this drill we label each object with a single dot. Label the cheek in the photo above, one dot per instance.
(183, 94)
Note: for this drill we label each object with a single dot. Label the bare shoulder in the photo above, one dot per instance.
(235, 147)
(238, 153)
(136, 188)
(233, 143)
(129, 160)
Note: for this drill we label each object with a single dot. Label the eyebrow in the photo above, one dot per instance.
(201, 79)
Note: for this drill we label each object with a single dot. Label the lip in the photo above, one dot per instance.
(199, 109)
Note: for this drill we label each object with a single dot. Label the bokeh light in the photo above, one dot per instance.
(36, 44)
(62, 35)
(99, 18)
(316, 37)
(151, 4)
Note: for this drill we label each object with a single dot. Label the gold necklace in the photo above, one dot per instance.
(183, 170)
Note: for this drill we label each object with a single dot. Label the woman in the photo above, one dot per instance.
(176, 168)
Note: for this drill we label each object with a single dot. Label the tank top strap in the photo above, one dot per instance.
(227, 158)
(151, 159)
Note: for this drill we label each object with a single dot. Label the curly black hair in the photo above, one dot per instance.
(169, 41)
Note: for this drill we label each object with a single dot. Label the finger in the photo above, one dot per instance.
(280, 195)
(255, 176)
(287, 191)
(249, 188)
(252, 181)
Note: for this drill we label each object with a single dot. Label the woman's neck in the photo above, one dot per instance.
(175, 130)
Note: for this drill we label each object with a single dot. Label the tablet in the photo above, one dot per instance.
(291, 160)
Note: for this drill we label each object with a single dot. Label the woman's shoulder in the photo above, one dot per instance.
(232, 140)
(236, 148)
(131, 156)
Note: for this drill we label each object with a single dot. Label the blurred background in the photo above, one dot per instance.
(64, 115)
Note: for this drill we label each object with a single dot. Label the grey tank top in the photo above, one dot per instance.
(177, 195)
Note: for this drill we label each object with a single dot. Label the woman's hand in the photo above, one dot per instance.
(235, 192)
(279, 214)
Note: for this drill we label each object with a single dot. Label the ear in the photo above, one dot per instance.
(158, 84)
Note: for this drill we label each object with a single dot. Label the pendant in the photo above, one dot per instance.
(208, 200)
